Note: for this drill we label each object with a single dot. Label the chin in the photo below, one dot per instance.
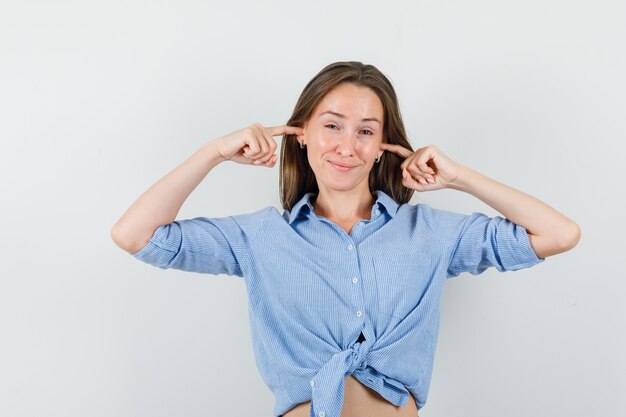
(337, 185)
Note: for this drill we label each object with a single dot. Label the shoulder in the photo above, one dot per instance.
(253, 219)
(445, 225)
(433, 216)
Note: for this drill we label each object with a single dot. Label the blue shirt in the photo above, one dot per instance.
(313, 289)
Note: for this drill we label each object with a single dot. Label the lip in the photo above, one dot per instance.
(341, 167)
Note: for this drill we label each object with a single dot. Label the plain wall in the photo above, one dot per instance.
(100, 99)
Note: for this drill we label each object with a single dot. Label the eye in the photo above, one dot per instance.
(367, 130)
(330, 124)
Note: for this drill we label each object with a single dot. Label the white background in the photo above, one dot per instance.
(100, 99)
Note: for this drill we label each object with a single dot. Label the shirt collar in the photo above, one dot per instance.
(305, 206)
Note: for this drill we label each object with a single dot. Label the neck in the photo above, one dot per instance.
(344, 205)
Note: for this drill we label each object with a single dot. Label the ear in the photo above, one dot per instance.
(300, 138)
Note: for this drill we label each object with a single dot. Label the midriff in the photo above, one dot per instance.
(361, 401)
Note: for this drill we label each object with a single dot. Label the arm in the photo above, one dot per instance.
(160, 204)
(428, 168)
(549, 231)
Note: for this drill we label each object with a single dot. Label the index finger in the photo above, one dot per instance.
(285, 130)
(398, 149)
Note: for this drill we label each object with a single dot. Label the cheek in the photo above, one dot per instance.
(368, 150)
(320, 144)
(323, 142)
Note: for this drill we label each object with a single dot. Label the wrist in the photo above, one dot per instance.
(464, 179)
(210, 150)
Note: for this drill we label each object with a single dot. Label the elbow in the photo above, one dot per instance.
(120, 239)
(562, 240)
(571, 237)
(575, 235)
(117, 233)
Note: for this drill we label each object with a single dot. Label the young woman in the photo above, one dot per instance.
(344, 286)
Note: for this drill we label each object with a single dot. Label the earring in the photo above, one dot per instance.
(301, 145)
(378, 159)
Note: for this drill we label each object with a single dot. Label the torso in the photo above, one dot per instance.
(361, 401)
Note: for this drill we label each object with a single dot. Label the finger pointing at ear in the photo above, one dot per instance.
(254, 144)
(397, 149)
(285, 130)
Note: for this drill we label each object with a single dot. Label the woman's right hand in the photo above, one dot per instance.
(253, 144)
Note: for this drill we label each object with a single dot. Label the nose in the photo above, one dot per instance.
(345, 147)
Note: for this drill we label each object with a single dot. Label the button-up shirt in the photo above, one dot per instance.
(313, 289)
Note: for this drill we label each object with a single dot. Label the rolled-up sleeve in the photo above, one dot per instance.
(204, 245)
(482, 242)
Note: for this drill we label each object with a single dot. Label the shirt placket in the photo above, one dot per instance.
(354, 269)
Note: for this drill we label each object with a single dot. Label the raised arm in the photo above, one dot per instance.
(161, 203)
(549, 232)
(429, 168)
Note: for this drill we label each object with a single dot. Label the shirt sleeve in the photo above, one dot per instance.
(205, 245)
(477, 242)
(484, 241)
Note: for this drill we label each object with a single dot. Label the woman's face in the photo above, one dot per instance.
(350, 137)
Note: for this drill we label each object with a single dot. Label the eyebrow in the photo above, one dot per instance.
(367, 119)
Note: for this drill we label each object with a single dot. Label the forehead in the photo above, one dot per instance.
(352, 101)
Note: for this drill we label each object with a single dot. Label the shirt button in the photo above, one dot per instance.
(322, 414)
(362, 224)
(377, 212)
(355, 279)
(312, 383)
(359, 313)
(350, 246)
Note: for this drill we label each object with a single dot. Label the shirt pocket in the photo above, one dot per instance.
(401, 280)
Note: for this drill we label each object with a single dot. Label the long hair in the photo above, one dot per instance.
(296, 176)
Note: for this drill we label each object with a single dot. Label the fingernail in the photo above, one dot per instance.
(256, 162)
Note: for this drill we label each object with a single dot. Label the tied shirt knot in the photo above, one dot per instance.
(359, 357)
(328, 384)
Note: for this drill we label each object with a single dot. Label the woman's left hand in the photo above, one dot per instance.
(426, 169)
